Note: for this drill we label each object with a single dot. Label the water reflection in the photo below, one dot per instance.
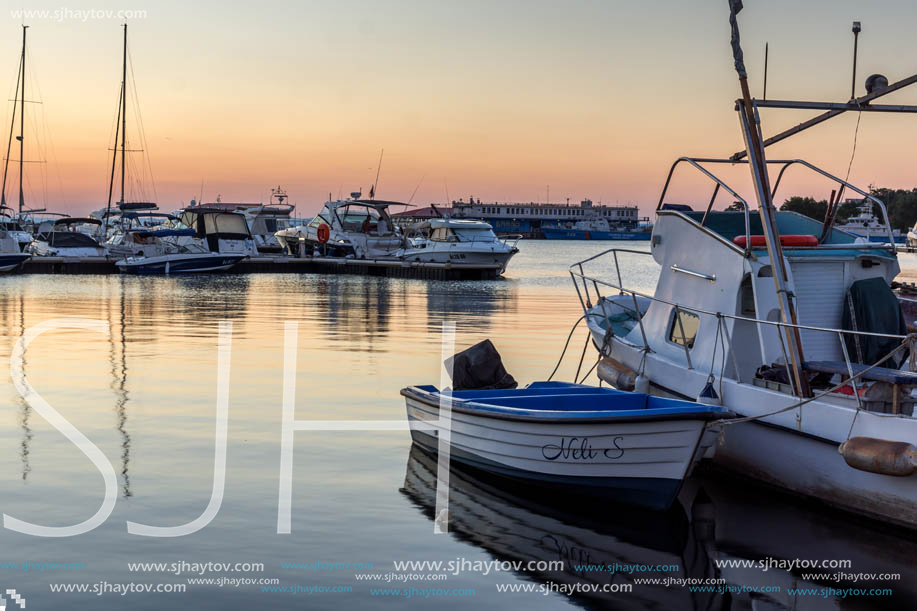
(118, 344)
(717, 520)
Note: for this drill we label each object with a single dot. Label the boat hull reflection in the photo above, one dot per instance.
(717, 520)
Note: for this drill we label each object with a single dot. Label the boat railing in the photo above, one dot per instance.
(697, 163)
(589, 287)
(510, 240)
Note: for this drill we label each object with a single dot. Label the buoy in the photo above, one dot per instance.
(897, 458)
(642, 384)
(616, 373)
(708, 395)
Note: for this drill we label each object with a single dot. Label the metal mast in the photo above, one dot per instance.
(758, 166)
(22, 122)
(123, 109)
(9, 142)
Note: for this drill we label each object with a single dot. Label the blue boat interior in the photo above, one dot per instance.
(570, 401)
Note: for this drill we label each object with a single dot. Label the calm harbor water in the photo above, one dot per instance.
(145, 395)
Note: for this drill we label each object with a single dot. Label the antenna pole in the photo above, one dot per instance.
(372, 190)
(123, 109)
(21, 122)
(856, 38)
(764, 95)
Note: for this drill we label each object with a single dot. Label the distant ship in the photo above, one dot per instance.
(598, 229)
(866, 225)
(558, 221)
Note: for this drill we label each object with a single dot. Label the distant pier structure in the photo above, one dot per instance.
(528, 219)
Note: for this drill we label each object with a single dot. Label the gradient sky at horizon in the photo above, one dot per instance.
(493, 99)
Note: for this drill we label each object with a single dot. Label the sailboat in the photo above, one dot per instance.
(787, 321)
(180, 248)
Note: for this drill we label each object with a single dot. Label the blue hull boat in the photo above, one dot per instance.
(629, 447)
(191, 263)
(9, 262)
(560, 233)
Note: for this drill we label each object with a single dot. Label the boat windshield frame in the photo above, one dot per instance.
(698, 164)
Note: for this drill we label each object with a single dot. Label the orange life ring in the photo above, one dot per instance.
(785, 240)
(324, 233)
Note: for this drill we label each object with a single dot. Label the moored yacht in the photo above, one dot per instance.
(359, 228)
(202, 240)
(787, 321)
(67, 237)
(447, 240)
(11, 256)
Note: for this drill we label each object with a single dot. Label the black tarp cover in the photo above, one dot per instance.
(479, 368)
(871, 306)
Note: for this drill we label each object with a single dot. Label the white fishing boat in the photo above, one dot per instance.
(359, 228)
(447, 240)
(631, 447)
(65, 238)
(785, 320)
(865, 224)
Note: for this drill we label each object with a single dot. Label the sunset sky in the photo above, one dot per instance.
(495, 99)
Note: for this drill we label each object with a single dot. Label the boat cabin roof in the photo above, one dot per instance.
(731, 225)
(88, 220)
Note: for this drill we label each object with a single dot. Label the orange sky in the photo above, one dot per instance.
(495, 99)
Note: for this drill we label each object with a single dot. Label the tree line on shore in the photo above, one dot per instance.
(901, 205)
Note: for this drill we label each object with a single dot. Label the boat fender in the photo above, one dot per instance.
(642, 384)
(708, 395)
(881, 456)
(617, 374)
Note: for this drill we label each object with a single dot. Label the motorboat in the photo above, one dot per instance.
(264, 221)
(11, 255)
(788, 321)
(448, 240)
(630, 447)
(67, 237)
(137, 234)
(202, 240)
(358, 228)
(12, 228)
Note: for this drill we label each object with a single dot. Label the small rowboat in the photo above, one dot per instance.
(625, 446)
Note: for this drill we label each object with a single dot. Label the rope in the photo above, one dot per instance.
(854, 151)
(910, 338)
(566, 344)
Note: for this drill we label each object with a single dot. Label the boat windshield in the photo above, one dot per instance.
(482, 234)
(356, 217)
(317, 220)
(70, 239)
(219, 223)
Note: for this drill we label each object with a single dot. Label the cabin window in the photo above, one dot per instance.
(686, 322)
(747, 298)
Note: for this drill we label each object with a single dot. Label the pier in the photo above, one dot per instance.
(284, 264)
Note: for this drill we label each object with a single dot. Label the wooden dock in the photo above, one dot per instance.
(280, 264)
